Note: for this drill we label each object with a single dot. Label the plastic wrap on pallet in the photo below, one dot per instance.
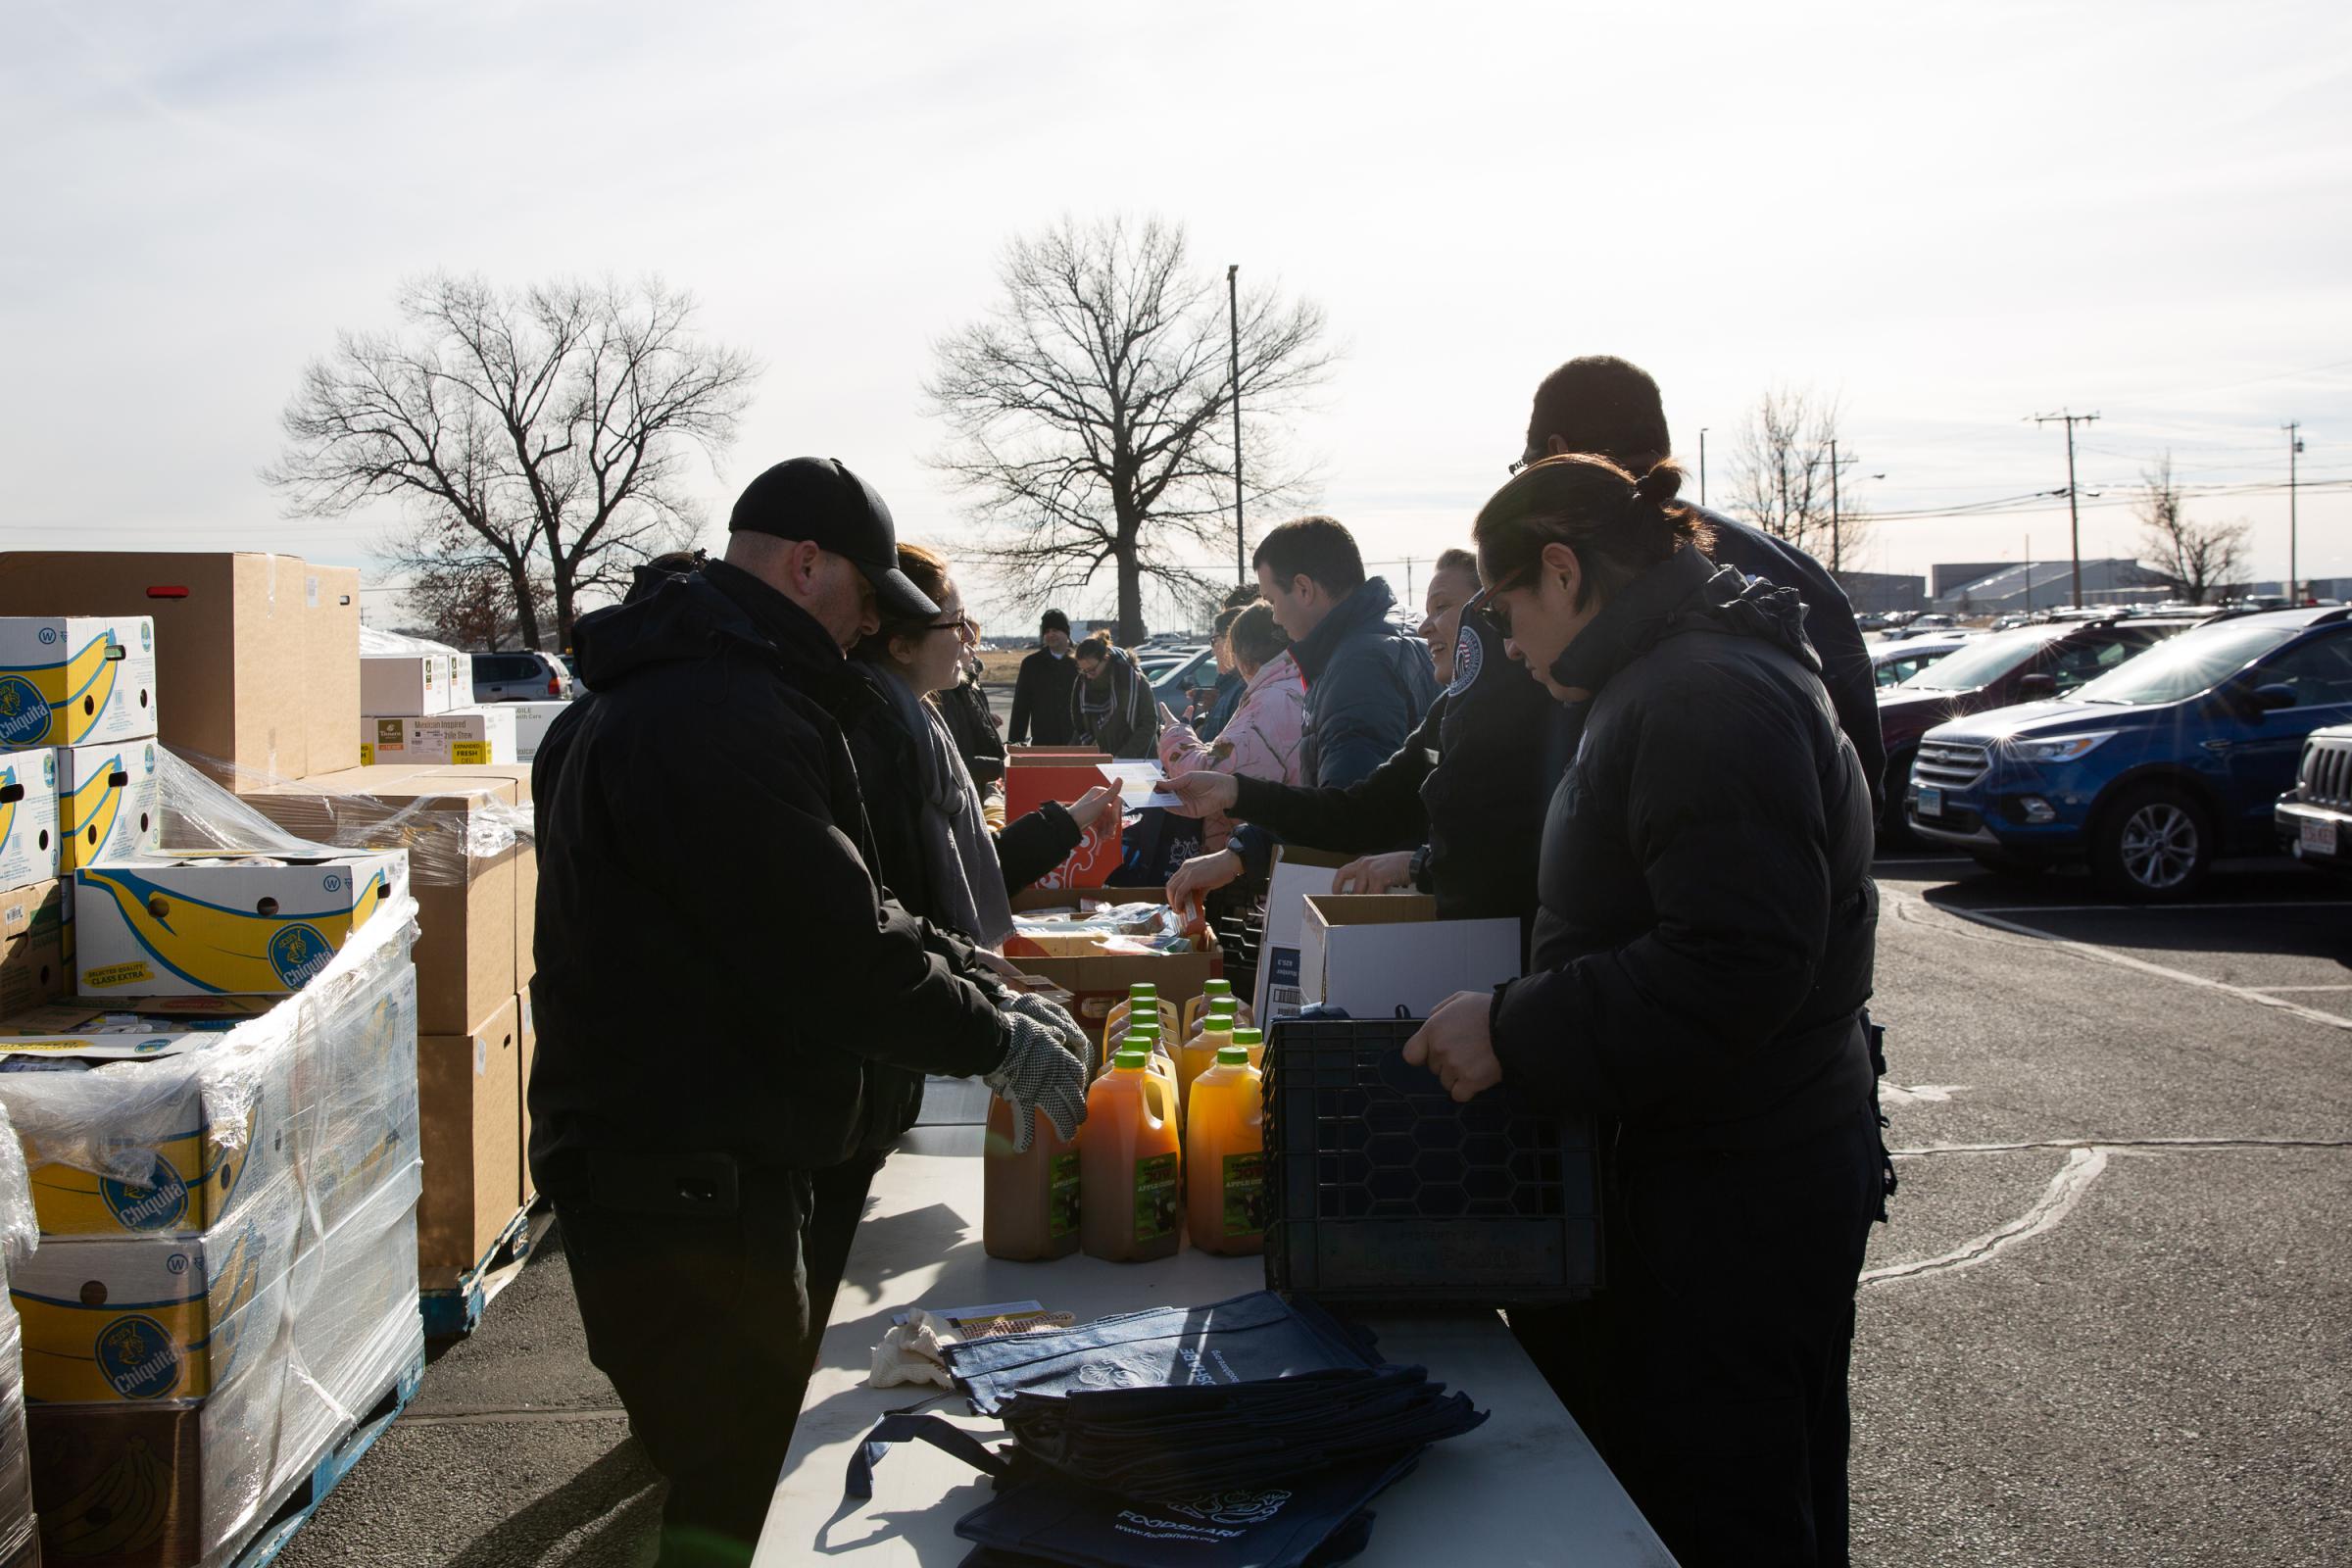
(16, 1468)
(351, 1320)
(292, 816)
(19, 1228)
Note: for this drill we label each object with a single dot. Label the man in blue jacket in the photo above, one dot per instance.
(1368, 684)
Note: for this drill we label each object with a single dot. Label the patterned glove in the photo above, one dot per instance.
(1038, 1073)
(1038, 1010)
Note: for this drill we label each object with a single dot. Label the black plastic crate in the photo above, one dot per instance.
(1381, 1189)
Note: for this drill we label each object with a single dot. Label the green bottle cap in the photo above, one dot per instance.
(1217, 1022)
(1249, 1036)
(1233, 1056)
(1142, 989)
(1217, 988)
(1133, 1061)
(1144, 1026)
(1224, 1008)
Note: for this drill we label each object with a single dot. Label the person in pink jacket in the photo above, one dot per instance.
(1262, 738)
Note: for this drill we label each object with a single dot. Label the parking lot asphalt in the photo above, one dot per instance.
(2110, 1321)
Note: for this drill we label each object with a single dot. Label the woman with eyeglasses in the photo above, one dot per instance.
(1701, 955)
(938, 857)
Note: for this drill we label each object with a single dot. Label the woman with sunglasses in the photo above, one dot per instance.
(1701, 955)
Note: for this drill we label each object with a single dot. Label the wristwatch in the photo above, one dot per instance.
(1420, 870)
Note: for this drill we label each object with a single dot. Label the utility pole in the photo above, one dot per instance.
(1834, 552)
(1232, 318)
(2029, 574)
(1702, 465)
(1408, 579)
(2074, 511)
(2295, 448)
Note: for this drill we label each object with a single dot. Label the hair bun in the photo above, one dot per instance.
(1660, 485)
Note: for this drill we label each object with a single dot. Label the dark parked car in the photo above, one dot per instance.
(2024, 665)
(2314, 817)
(523, 677)
(2149, 774)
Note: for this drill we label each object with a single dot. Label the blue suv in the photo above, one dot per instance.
(2151, 771)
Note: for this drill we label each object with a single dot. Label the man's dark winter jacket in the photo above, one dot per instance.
(1230, 690)
(1470, 782)
(1829, 626)
(964, 706)
(717, 964)
(1367, 686)
(890, 782)
(1041, 701)
(1708, 919)
(1129, 728)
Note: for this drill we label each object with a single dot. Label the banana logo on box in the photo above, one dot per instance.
(37, 702)
(8, 806)
(123, 1510)
(216, 948)
(97, 802)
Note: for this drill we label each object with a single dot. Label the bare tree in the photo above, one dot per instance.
(1781, 475)
(2198, 556)
(554, 425)
(1092, 413)
(461, 590)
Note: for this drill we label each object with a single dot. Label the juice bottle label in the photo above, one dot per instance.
(1156, 1198)
(1061, 1202)
(1245, 1193)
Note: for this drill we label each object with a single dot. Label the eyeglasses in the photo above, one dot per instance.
(1526, 461)
(963, 626)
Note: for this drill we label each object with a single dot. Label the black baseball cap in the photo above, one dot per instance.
(821, 502)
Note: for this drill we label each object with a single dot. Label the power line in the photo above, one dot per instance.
(2073, 512)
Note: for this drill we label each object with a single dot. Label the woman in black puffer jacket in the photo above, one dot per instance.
(1700, 959)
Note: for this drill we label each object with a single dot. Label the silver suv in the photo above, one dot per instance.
(520, 677)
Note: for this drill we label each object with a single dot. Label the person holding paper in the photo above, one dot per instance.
(1368, 685)
(1702, 960)
(1264, 738)
(1111, 704)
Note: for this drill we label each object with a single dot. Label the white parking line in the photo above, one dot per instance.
(2301, 988)
(2066, 1190)
(2110, 955)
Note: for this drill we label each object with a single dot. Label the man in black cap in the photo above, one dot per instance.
(1041, 693)
(716, 966)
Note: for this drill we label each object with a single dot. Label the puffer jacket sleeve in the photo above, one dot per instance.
(1721, 803)
(1379, 812)
(805, 888)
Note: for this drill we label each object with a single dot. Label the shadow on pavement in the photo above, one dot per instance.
(620, 1494)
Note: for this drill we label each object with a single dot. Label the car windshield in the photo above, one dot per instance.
(1979, 662)
(2185, 665)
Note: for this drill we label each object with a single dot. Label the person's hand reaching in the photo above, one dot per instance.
(1088, 809)
(1201, 876)
(1375, 873)
(1038, 1073)
(1204, 794)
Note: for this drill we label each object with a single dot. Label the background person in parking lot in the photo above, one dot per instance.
(1041, 692)
(1702, 960)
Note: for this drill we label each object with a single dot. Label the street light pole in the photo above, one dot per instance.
(2295, 448)
(1233, 317)
(1834, 542)
(1702, 465)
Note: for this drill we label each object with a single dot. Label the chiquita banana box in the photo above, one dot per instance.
(111, 1321)
(28, 818)
(234, 925)
(109, 802)
(69, 679)
(130, 1128)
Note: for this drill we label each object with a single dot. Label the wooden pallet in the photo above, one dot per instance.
(457, 1311)
(294, 1510)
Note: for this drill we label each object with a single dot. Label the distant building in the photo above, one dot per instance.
(2013, 589)
(1944, 578)
(1879, 593)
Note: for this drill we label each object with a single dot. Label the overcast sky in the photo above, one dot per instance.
(1949, 217)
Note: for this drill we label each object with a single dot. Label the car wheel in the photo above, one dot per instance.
(2154, 843)
(1894, 822)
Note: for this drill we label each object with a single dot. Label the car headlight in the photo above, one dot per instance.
(2063, 749)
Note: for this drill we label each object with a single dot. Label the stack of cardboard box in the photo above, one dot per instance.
(417, 707)
(226, 1191)
(272, 690)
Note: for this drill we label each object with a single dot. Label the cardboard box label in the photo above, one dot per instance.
(29, 818)
(246, 926)
(65, 680)
(462, 736)
(1295, 874)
